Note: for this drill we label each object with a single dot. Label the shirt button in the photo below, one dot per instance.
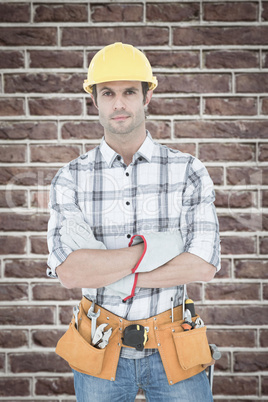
(128, 203)
(128, 236)
(140, 159)
(118, 157)
(127, 174)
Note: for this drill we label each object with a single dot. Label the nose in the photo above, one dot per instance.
(119, 103)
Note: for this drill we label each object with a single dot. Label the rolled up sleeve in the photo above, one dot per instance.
(199, 222)
(62, 205)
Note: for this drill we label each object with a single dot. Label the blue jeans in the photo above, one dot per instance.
(148, 374)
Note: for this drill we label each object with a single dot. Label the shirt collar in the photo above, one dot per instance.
(145, 150)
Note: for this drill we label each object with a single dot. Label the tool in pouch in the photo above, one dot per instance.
(99, 337)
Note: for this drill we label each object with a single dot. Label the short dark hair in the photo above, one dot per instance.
(145, 89)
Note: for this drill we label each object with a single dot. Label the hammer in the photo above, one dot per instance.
(216, 355)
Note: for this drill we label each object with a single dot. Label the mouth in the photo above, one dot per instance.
(120, 118)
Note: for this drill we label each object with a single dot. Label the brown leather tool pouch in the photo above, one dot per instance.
(75, 347)
(182, 352)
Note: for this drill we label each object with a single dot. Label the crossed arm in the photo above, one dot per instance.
(98, 268)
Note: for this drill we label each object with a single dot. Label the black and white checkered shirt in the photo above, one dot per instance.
(160, 190)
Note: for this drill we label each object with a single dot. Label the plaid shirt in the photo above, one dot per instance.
(161, 190)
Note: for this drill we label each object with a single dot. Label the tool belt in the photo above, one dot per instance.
(182, 352)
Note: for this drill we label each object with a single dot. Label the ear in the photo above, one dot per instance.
(92, 97)
(148, 97)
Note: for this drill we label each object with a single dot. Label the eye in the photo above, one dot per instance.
(130, 92)
(107, 93)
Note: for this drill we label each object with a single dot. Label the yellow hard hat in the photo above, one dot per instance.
(119, 62)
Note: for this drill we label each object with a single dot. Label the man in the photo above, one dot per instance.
(128, 186)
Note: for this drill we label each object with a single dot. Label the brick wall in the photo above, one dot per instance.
(211, 59)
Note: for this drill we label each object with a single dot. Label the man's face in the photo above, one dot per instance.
(121, 107)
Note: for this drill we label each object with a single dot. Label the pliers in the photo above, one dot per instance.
(101, 338)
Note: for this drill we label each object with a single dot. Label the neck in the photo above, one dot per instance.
(126, 145)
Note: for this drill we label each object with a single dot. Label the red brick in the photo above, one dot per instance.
(46, 337)
(250, 361)
(227, 152)
(183, 147)
(13, 153)
(14, 386)
(194, 83)
(91, 108)
(251, 269)
(236, 385)
(196, 36)
(13, 198)
(54, 153)
(231, 59)
(264, 11)
(55, 107)
(194, 290)
(236, 222)
(233, 315)
(43, 83)
(231, 106)
(216, 174)
(34, 362)
(245, 338)
(264, 338)
(263, 152)
(14, 338)
(12, 245)
(264, 385)
(173, 12)
(264, 245)
(178, 59)
(11, 107)
(230, 11)
(235, 199)
(40, 199)
(65, 314)
(54, 292)
(82, 130)
(14, 12)
(265, 292)
(19, 268)
(28, 36)
(159, 129)
(92, 36)
(28, 176)
(171, 106)
(13, 291)
(55, 59)
(116, 12)
(38, 245)
(221, 129)
(19, 315)
(238, 245)
(264, 105)
(225, 271)
(264, 199)
(23, 222)
(232, 291)
(61, 13)
(252, 82)
(11, 59)
(54, 386)
(32, 130)
(244, 175)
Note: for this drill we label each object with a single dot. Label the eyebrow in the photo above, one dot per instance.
(125, 89)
